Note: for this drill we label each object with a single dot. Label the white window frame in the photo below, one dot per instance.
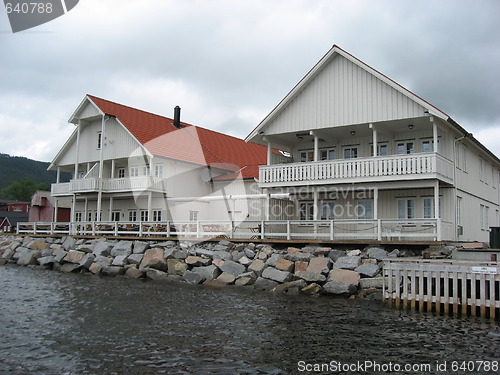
(364, 209)
(156, 215)
(99, 140)
(132, 215)
(78, 216)
(121, 172)
(348, 151)
(116, 215)
(327, 210)
(193, 215)
(146, 170)
(159, 170)
(144, 215)
(405, 144)
(306, 210)
(326, 153)
(134, 171)
(306, 156)
(484, 216)
(408, 208)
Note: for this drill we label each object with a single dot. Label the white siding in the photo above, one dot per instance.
(342, 94)
(89, 111)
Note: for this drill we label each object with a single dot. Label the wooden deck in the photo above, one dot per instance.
(465, 288)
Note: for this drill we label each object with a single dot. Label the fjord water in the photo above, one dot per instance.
(55, 323)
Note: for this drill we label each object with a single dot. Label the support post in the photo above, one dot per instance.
(375, 142)
(434, 134)
(316, 205)
(436, 211)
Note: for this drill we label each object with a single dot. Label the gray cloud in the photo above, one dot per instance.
(228, 63)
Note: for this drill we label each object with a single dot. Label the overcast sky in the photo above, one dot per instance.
(227, 63)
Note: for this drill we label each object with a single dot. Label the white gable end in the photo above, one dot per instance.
(342, 93)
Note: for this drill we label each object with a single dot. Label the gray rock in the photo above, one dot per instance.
(237, 255)
(120, 261)
(69, 267)
(135, 258)
(298, 257)
(134, 273)
(102, 248)
(207, 273)
(59, 255)
(197, 261)
(154, 258)
(74, 256)
(271, 261)
(168, 253)
(46, 252)
(103, 261)
(264, 284)
(140, 247)
(250, 254)
(192, 277)
(122, 248)
(28, 257)
(113, 271)
(376, 253)
(257, 266)
(311, 276)
(245, 261)
(87, 261)
(46, 261)
(226, 278)
(68, 243)
(374, 282)
(335, 254)
(233, 268)
(165, 244)
(204, 252)
(393, 254)
(224, 255)
(244, 281)
(283, 288)
(312, 289)
(158, 275)
(337, 287)
(368, 269)
(180, 254)
(176, 267)
(276, 275)
(247, 274)
(95, 268)
(348, 263)
(8, 254)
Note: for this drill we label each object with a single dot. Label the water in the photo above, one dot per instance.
(55, 323)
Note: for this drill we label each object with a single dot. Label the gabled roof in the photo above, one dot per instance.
(324, 61)
(191, 143)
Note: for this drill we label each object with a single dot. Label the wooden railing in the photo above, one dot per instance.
(328, 230)
(448, 286)
(108, 185)
(359, 169)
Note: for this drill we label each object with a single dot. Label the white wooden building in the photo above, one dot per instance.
(370, 159)
(131, 166)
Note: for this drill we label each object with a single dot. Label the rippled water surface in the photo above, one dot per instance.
(54, 323)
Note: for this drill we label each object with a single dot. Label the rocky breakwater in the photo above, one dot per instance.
(310, 270)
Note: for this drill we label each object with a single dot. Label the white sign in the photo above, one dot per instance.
(486, 270)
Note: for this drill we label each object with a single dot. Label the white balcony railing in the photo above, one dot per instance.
(413, 166)
(86, 185)
(327, 230)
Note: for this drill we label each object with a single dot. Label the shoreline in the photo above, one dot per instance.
(311, 270)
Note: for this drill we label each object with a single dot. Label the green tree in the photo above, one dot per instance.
(22, 190)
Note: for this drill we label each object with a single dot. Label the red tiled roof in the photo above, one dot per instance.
(190, 144)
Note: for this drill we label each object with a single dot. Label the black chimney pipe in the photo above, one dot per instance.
(177, 117)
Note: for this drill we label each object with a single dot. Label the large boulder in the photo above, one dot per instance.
(135, 258)
(102, 248)
(368, 270)
(120, 261)
(274, 274)
(122, 248)
(311, 276)
(140, 247)
(28, 257)
(154, 258)
(225, 278)
(285, 265)
(197, 261)
(257, 266)
(68, 243)
(87, 261)
(74, 256)
(176, 267)
(207, 272)
(233, 268)
(192, 277)
(376, 253)
(344, 276)
(337, 287)
(348, 263)
(320, 265)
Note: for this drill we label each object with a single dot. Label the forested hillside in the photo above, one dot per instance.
(15, 168)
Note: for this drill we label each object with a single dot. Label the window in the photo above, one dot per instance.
(306, 155)
(144, 215)
(405, 148)
(157, 215)
(382, 150)
(78, 216)
(132, 215)
(327, 154)
(350, 153)
(406, 208)
(134, 171)
(365, 210)
(327, 210)
(99, 140)
(306, 211)
(427, 146)
(193, 215)
(89, 216)
(146, 171)
(115, 216)
(121, 172)
(159, 170)
(483, 213)
(459, 211)
(428, 208)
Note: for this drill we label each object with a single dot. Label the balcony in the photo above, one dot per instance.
(110, 185)
(359, 170)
